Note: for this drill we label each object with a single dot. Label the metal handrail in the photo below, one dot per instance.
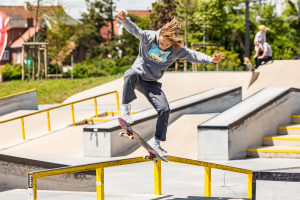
(60, 106)
(99, 167)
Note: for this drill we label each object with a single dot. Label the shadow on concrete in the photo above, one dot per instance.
(171, 197)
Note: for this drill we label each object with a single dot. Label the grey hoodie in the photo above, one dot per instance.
(152, 62)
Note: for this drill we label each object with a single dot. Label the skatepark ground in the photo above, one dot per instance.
(64, 144)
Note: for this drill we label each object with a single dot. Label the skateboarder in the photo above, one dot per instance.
(157, 51)
(266, 50)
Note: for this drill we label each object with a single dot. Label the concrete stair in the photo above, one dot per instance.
(286, 144)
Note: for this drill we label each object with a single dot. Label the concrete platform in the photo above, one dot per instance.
(274, 152)
(282, 140)
(59, 195)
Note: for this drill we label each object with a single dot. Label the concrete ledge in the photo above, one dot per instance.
(276, 184)
(13, 173)
(102, 140)
(229, 134)
(20, 101)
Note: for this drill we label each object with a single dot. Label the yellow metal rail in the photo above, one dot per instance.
(99, 167)
(63, 105)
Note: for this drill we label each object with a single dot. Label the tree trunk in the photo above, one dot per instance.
(33, 64)
(36, 19)
(39, 64)
(112, 20)
(185, 32)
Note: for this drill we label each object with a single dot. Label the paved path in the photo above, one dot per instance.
(47, 195)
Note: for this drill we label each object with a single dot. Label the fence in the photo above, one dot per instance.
(56, 107)
(99, 167)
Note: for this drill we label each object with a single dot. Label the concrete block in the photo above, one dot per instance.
(247, 123)
(211, 101)
(21, 101)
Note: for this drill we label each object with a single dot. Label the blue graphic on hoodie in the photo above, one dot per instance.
(158, 55)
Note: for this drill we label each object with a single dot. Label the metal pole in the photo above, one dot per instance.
(23, 64)
(72, 66)
(157, 178)
(207, 180)
(100, 183)
(247, 30)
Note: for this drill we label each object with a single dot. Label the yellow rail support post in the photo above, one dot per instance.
(100, 183)
(96, 109)
(117, 96)
(73, 116)
(31, 187)
(249, 186)
(48, 119)
(157, 178)
(23, 128)
(207, 182)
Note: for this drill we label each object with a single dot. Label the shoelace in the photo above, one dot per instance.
(163, 150)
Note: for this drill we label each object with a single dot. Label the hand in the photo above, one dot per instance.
(260, 57)
(121, 14)
(255, 56)
(217, 57)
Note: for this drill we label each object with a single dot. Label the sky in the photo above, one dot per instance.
(75, 7)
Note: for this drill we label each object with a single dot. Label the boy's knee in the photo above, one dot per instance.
(166, 109)
(131, 75)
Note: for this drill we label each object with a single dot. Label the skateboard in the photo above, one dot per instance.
(249, 64)
(153, 155)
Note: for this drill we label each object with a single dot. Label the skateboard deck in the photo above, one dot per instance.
(249, 64)
(153, 155)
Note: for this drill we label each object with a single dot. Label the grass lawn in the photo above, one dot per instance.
(53, 91)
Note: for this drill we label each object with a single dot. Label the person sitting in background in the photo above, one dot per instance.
(266, 50)
(259, 34)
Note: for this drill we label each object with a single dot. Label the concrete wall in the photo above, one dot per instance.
(21, 101)
(14, 176)
(276, 184)
(231, 133)
(103, 140)
(277, 190)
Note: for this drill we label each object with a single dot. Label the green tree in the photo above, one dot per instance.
(163, 12)
(58, 36)
(88, 34)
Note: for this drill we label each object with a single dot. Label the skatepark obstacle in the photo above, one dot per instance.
(60, 106)
(26, 100)
(99, 167)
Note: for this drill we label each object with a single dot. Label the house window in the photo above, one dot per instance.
(5, 55)
(18, 56)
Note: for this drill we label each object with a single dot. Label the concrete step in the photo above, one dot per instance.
(274, 152)
(282, 140)
(295, 119)
(290, 129)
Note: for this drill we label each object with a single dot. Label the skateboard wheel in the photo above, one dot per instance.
(131, 137)
(155, 160)
(146, 157)
(121, 134)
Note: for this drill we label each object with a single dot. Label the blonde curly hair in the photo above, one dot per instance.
(171, 32)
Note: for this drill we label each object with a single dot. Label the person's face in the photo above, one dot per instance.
(261, 30)
(163, 43)
(261, 42)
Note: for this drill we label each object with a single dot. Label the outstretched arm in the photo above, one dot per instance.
(131, 27)
(197, 57)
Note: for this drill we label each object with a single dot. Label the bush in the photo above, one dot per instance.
(12, 72)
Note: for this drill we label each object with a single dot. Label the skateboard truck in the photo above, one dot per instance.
(145, 157)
